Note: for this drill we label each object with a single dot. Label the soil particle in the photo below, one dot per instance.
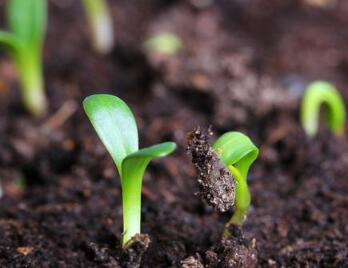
(216, 183)
(24, 250)
(101, 256)
(192, 262)
(212, 259)
(134, 251)
(238, 251)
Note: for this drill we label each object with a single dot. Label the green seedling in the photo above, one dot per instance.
(320, 93)
(164, 43)
(237, 152)
(116, 127)
(27, 24)
(100, 22)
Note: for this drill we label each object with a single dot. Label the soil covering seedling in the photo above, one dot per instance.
(164, 43)
(27, 24)
(223, 169)
(116, 127)
(100, 22)
(320, 93)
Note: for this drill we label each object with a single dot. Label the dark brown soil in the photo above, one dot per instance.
(243, 67)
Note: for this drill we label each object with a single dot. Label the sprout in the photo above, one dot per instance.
(318, 93)
(164, 43)
(27, 24)
(237, 152)
(223, 170)
(116, 127)
(100, 21)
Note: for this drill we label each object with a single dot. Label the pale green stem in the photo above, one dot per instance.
(242, 201)
(29, 67)
(131, 203)
(100, 23)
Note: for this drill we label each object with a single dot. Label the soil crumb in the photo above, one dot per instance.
(237, 251)
(192, 262)
(134, 252)
(216, 184)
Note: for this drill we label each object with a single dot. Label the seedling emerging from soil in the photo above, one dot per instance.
(317, 94)
(116, 127)
(100, 22)
(223, 170)
(164, 43)
(27, 23)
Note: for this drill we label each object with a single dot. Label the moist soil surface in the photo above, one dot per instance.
(244, 66)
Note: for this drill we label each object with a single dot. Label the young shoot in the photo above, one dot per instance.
(320, 93)
(27, 24)
(116, 127)
(237, 152)
(100, 22)
(223, 170)
(164, 43)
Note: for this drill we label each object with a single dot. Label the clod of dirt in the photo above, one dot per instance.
(101, 256)
(236, 251)
(216, 183)
(134, 252)
(192, 262)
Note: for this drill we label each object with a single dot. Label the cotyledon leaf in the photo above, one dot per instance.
(115, 125)
(235, 148)
(10, 42)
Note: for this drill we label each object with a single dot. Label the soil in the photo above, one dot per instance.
(243, 67)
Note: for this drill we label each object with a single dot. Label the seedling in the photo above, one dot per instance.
(320, 93)
(222, 171)
(27, 24)
(164, 43)
(237, 152)
(116, 127)
(100, 22)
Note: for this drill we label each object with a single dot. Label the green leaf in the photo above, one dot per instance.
(235, 148)
(27, 20)
(140, 159)
(320, 93)
(133, 168)
(10, 42)
(164, 43)
(115, 125)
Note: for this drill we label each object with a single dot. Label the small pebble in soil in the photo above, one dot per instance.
(25, 250)
(216, 184)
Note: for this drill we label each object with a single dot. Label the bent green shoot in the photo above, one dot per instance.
(100, 23)
(164, 43)
(320, 93)
(27, 24)
(116, 127)
(237, 152)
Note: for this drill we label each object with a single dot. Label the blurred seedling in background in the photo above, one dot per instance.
(100, 22)
(116, 127)
(318, 94)
(163, 43)
(27, 25)
(223, 169)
